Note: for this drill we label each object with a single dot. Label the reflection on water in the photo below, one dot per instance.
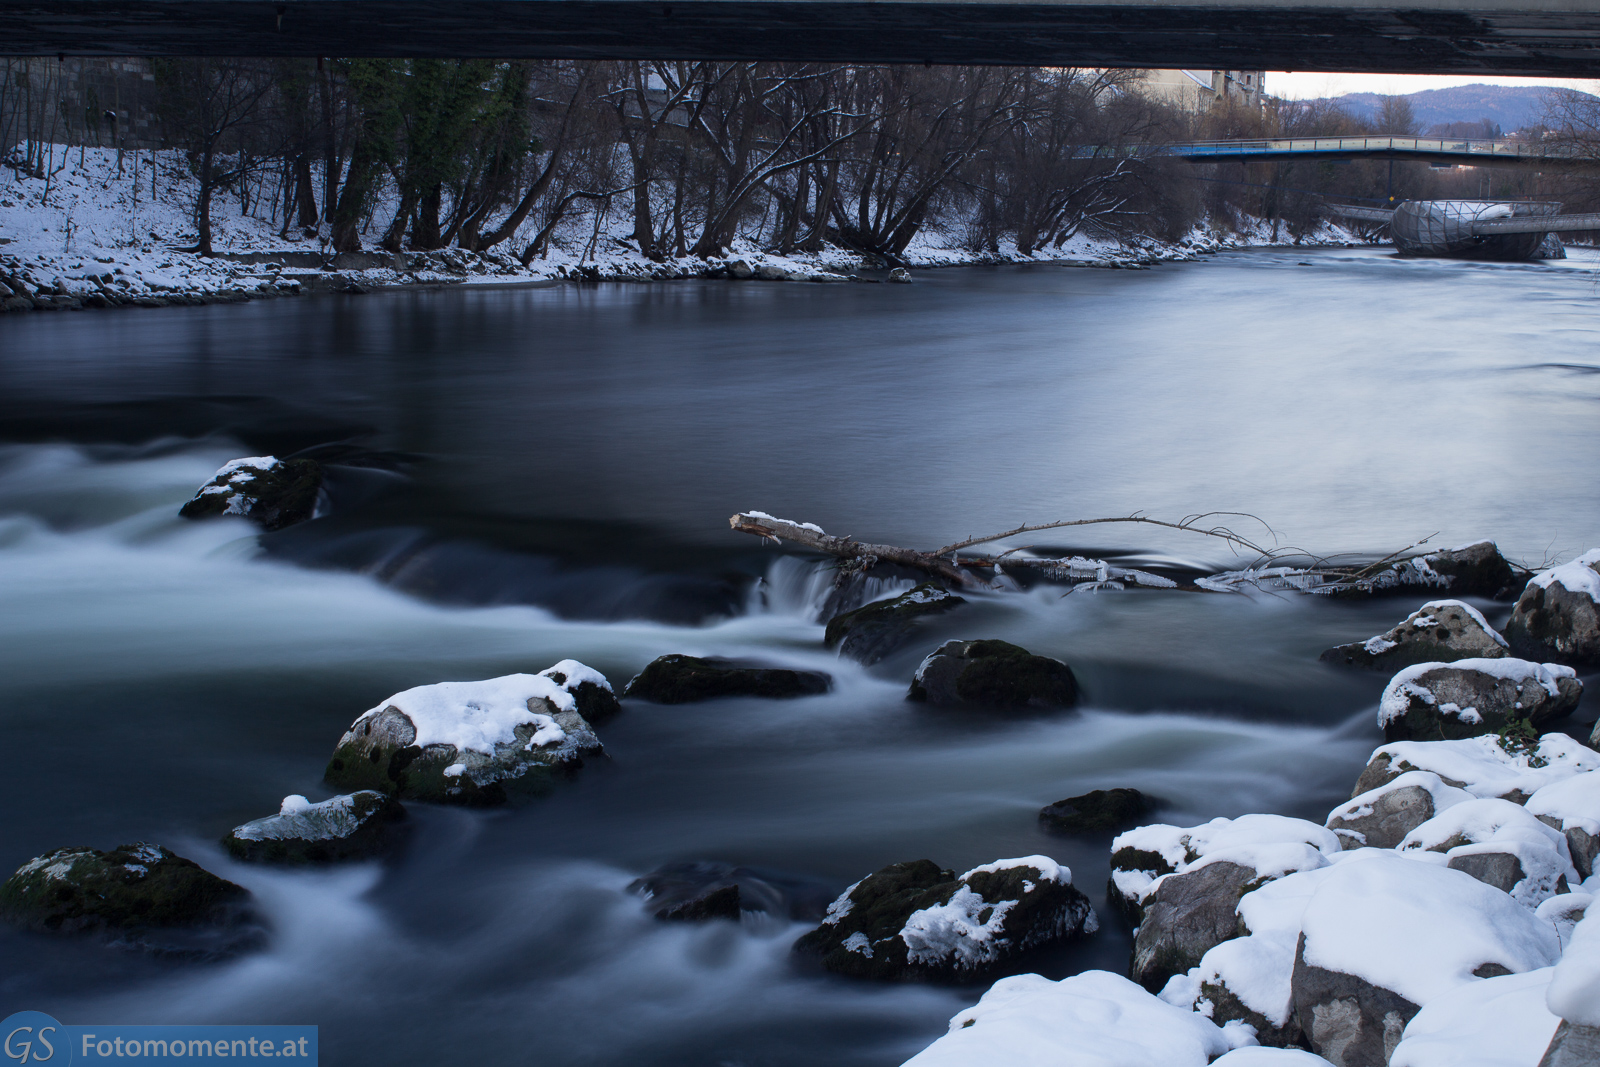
(579, 451)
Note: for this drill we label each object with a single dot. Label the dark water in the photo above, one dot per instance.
(548, 474)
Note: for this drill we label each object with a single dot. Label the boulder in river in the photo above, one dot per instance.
(992, 674)
(685, 679)
(871, 632)
(1382, 816)
(130, 889)
(471, 743)
(1500, 844)
(918, 920)
(1572, 806)
(1557, 617)
(353, 826)
(1477, 569)
(1185, 917)
(1483, 766)
(1440, 631)
(1096, 812)
(1444, 701)
(697, 891)
(271, 492)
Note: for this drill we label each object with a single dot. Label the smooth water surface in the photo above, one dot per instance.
(559, 469)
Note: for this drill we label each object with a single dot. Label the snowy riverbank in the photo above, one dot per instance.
(104, 230)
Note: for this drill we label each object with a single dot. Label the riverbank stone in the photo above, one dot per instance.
(129, 888)
(595, 699)
(678, 679)
(469, 743)
(871, 632)
(271, 492)
(1557, 617)
(1469, 697)
(1096, 812)
(992, 674)
(920, 921)
(357, 825)
(1187, 916)
(1441, 631)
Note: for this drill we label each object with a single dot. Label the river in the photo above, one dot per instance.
(558, 467)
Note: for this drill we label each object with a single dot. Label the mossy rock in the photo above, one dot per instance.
(378, 753)
(353, 826)
(918, 920)
(678, 679)
(271, 492)
(871, 632)
(995, 674)
(1097, 812)
(131, 887)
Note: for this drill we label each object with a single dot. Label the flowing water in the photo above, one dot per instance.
(548, 474)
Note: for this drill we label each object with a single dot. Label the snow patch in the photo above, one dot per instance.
(477, 716)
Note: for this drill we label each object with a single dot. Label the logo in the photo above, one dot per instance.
(32, 1037)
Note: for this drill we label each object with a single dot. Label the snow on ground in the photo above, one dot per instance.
(114, 226)
(1491, 1023)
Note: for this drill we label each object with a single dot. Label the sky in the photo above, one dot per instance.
(1304, 86)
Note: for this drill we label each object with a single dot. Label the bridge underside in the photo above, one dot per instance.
(1505, 37)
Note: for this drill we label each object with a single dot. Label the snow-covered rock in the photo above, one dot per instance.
(352, 826)
(1558, 615)
(1565, 911)
(1270, 845)
(1387, 935)
(992, 674)
(911, 920)
(1441, 631)
(676, 679)
(1493, 1023)
(872, 631)
(1483, 766)
(1475, 569)
(1572, 805)
(465, 742)
(1262, 1056)
(1442, 701)
(594, 696)
(1500, 844)
(1184, 916)
(124, 892)
(1093, 1019)
(271, 492)
(1574, 992)
(1382, 817)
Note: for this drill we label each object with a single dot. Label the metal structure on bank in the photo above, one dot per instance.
(1474, 229)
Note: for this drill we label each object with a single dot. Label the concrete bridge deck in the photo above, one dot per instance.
(1557, 38)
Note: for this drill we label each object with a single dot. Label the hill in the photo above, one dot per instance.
(1511, 107)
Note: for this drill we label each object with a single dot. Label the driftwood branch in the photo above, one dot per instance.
(1189, 524)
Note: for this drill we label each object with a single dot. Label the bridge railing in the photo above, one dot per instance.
(1454, 146)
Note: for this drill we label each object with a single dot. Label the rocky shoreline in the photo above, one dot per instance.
(1443, 910)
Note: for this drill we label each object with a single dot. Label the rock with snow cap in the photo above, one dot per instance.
(596, 700)
(918, 920)
(992, 674)
(352, 826)
(1476, 569)
(471, 743)
(1500, 844)
(1557, 617)
(1445, 701)
(1185, 917)
(1382, 816)
(874, 630)
(1385, 934)
(1440, 631)
(675, 679)
(1093, 1019)
(1271, 846)
(1498, 1021)
(1574, 997)
(1573, 1046)
(1572, 806)
(1484, 766)
(127, 892)
(271, 492)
